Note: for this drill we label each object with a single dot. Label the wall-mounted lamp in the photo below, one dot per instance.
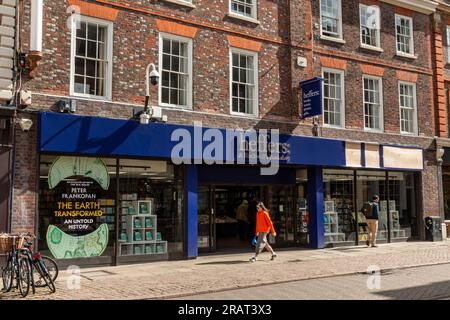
(153, 78)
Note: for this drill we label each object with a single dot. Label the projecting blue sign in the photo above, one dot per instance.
(312, 97)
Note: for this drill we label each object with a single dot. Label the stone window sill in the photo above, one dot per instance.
(181, 3)
(240, 17)
(405, 55)
(366, 47)
(338, 40)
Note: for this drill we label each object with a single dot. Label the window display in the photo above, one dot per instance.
(79, 205)
(339, 218)
(76, 206)
(369, 184)
(402, 206)
(150, 217)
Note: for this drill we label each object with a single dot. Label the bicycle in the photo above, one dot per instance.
(17, 267)
(44, 270)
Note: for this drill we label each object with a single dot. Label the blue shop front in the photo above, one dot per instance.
(115, 191)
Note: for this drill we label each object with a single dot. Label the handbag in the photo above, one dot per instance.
(254, 241)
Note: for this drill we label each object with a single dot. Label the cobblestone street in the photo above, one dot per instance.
(213, 273)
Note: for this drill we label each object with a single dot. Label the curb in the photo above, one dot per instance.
(195, 293)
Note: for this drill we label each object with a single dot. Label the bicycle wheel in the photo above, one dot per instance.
(52, 268)
(45, 275)
(7, 276)
(24, 276)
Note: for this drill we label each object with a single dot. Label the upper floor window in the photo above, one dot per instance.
(244, 85)
(373, 103)
(370, 25)
(246, 8)
(408, 108)
(448, 44)
(91, 58)
(404, 32)
(331, 18)
(333, 97)
(175, 66)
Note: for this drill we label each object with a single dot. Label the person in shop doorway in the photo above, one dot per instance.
(252, 217)
(242, 218)
(264, 226)
(372, 222)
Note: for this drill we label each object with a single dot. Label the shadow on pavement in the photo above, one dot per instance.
(224, 262)
(435, 290)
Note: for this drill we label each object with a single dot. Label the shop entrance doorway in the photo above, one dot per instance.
(227, 216)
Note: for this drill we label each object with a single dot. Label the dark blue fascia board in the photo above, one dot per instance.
(90, 135)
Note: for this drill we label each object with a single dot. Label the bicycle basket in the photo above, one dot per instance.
(20, 241)
(6, 243)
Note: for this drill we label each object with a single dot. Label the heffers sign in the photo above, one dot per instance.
(312, 97)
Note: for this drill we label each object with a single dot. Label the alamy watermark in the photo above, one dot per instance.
(73, 281)
(374, 279)
(229, 146)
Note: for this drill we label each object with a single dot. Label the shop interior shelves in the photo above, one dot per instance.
(331, 224)
(141, 236)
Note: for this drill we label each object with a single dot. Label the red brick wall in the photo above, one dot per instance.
(25, 179)
(135, 45)
(362, 61)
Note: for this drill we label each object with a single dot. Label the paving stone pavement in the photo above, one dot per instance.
(169, 279)
(418, 283)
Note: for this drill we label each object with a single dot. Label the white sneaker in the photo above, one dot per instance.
(274, 256)
(252, 259)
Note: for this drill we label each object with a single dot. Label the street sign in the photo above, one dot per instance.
(312, 97)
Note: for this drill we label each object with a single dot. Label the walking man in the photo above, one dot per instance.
(372, 222)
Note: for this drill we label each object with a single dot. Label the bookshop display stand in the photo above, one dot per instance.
(396, 232)
(302, 225)
(139, 235)
(331, 223)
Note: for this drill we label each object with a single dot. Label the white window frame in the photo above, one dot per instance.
(342, 111)
(339, 25)
(109, 55)
(411, 35)
(415, 120)
(163, 35)
(255, 113)
(378, 35)
(448, 43)
(253, 16)
(381, 114)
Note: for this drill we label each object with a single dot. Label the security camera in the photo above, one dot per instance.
(25, 124)
(154, 77)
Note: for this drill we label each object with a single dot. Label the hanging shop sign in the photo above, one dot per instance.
(312, 97)
(77, 231)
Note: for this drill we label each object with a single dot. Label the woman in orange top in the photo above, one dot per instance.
(264, 225)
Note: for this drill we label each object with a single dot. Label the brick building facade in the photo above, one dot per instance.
(289, 41)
